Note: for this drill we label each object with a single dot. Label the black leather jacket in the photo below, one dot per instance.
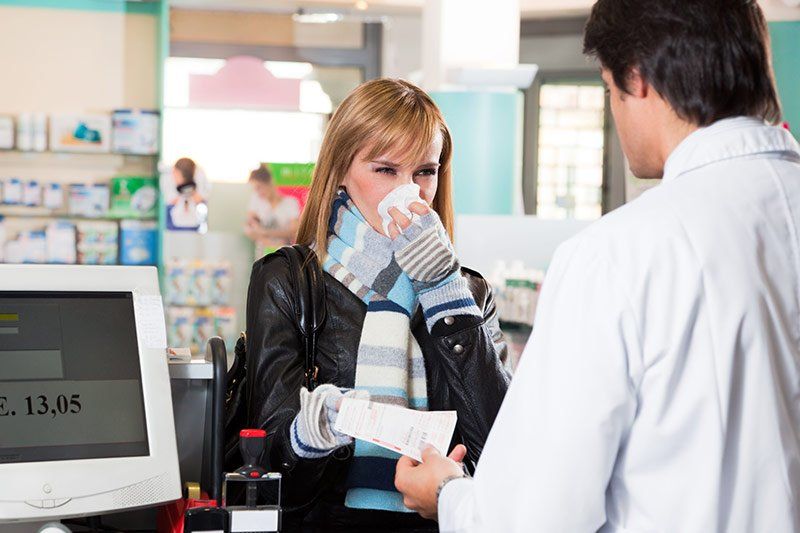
(464, 363)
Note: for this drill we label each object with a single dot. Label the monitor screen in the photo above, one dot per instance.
(70, 379)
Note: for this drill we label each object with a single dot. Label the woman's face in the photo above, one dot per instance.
(262, 190)
(177, 177)
(369, 181)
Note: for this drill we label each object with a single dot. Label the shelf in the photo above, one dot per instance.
(32, 153)
(13, 211)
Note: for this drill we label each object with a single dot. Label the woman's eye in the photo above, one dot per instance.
(385, 170)
(427, 172)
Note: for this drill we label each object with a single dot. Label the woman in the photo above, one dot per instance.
(271, 217)
(405, 324)
(186, 201)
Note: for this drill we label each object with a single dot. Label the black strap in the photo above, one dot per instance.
(311, 308)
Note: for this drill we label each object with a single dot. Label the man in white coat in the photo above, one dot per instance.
(660, 391)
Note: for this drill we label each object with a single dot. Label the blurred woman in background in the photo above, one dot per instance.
(272, 218)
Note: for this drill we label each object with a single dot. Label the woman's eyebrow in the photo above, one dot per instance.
(391, 164)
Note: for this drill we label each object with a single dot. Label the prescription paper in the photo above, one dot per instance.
(401, 430)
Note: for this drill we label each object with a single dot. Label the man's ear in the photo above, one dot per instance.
(637, 86)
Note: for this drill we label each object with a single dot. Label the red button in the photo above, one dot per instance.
(254, 474)
(252, 433)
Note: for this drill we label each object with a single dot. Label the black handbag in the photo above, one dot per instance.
(310, 312)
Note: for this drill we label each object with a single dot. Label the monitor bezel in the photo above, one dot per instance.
(72, 479)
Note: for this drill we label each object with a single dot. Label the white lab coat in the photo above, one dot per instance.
(660, 391)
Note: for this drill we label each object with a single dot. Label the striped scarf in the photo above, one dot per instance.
(390, 364)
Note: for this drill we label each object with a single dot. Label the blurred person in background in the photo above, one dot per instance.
(187, 208)
(272, 218)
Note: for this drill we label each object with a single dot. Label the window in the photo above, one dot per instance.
(230, 115)
(571, 149)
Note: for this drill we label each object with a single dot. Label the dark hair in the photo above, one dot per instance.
(709, 59)
(261, 175)
(187, 168)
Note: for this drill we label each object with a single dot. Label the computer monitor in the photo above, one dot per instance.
(86, 424)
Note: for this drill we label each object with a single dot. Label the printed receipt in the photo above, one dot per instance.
(401, 430)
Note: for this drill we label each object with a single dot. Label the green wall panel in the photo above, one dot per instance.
(786, 61)
(149, 8)
(486, 149)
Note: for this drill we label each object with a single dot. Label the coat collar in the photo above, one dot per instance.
(727, 139)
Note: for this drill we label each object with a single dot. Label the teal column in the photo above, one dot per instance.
(785, 37)
(487, 149)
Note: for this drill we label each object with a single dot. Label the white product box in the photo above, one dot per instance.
(32, 195)
(6, 132)
(12, 191)
(135, 131)
(80, 133)
(53, 196)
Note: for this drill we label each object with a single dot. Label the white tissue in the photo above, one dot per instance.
(401, 198)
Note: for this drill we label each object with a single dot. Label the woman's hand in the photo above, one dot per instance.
(313, 434)
(403, 222)
(422, 249)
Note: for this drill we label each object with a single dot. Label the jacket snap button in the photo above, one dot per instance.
(449, 320)
(458, 349)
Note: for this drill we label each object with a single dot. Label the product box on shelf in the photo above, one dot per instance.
(199, 284)
(134, 197)
(225, 324)
(138, 242)
(203, 327)
(53, 196)
(61, 242)
(97, 242)
(221, 283)
(88, 200)
(12, 191)
(80, 133)
(180, 330)
(135, 131)
(34, 246)
(176, 276)
(12, 251)
(32, 194)
(31, 132)
(6, 132)
(193, 326)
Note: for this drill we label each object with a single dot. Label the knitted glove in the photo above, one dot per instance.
(312, 431)
(426, 255)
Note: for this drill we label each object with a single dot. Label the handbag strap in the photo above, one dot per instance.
(311, 309)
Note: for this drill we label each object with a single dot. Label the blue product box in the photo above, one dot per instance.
(139, 242)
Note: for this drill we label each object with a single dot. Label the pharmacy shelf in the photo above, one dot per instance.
(34, 153)
(25, 212)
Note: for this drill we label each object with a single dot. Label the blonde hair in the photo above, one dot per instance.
(383, 114)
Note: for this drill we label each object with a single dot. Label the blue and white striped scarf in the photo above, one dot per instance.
(390, 364)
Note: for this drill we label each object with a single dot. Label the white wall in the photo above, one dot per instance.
(402, 46)
(555, 52)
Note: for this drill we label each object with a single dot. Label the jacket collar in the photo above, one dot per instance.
(727, 139)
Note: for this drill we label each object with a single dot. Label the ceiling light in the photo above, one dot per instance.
(315, 18)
